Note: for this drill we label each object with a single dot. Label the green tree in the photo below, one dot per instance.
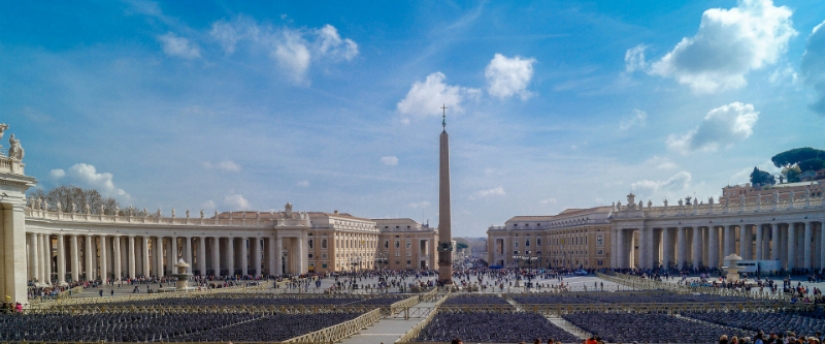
(796, 156)
(759, 177)
(812, 164)
(791, 173)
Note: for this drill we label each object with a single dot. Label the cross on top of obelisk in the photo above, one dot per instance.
(444, 116)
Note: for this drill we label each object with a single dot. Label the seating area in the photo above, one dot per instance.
(649, 328)
(801, 323)
(237, 301)
(571, 298)
(382, 301)
(662, 298)
(476, 300)
(492, 328)
(146, 327)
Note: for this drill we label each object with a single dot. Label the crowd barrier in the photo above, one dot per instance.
(340, 331)
(644, 283)
(413, 333)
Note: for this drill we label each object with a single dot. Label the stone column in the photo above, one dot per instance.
(791, 245)
(300, 255)
(775, 241)
(614, 249)
(187, 254)
(697, 247)
(681, 241)
(759, 242)
(744, 242)
(131, 257)
(216, 256)
(230, 256)
(202, 255)
(244, 256)
(279, 256)
(159, 255)
(104, 256)
(61, 259)
(807, 246)
(713, 247)
(726, 235)
(256, 250)
(45, 258)
(89, 256)
(271, 254)
(146, 271)
(667, 249)
(821, 245)
(173, 246)
(34, 251)
(117, 264)
(74, 258)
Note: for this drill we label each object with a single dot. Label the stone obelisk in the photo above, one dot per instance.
(445, 245)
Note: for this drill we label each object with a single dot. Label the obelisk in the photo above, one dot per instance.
(445, 245)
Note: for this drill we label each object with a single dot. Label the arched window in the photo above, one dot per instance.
(527, 243)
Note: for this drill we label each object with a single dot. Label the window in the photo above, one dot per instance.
(309, 242)
(515, 252)
(409, 254)
(324, 265)
(324, 255)
(599, 240)
(397, 244)
(600, 252)
(324, 243)
(398, 254)
(386, 244)
(409, 262)
(311, 256)
(527, 243)
(538, 242)
(409, 244)
(515, 243)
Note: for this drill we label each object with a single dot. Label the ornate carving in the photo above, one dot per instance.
(664, 201)
(649, 204)
(59, 207)
(173, 213)
(631, 199)
(775, 197)
(86, 208)
(73, 208)
(680, 203)
(288, 209)
(187, 213)
(201, 213)
(16, 150)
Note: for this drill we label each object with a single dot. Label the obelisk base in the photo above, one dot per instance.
(445, 267)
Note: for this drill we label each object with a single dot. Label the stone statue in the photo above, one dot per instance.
(3, 127)
(641, 204)
(101, 209)
(649, 204)
(775, 197)
(145, 212)
(619, 205)
(216, 214)
(86, 208)
(742, 201)
(680, 203)
(117, 211)
(72, 208)
(59, 207)
(201, 213)
(710, 200)
(631, 199)
(790, 197)
(187, 213)
(613, 206)
(257, 215)
(160, 214)
(664, 201)
(807, 194)
(36, 203)
(15, 151)
(288, 209)
(173, 213)
(759, 199)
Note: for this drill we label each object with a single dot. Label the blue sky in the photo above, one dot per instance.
(335, 105)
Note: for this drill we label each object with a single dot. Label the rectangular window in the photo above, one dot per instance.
(515, 243)
(515, 252)
(600, 252)
(409, 254)
(310, 256)
(599, 240)
(409, 262)
(398, 254)
(409, 245)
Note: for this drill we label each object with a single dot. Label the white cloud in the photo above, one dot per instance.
(549, 201)
(389, 160)
(496, 191)
(721, 128)
(174, 45)
(420, 205)
(87, 175)
(729, 44)
(813, 67)
(426, 98)
(639, 118)
(634, 58)
(330, 43)
(507, 77)
(226, 165)
(236, 202)
(57, 173)
(678, 182)
(303, 183)
(660, 163)
(294, 50)
(784, 75)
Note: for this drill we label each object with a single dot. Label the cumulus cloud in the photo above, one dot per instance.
(303, 183)
(813, 67)
(419, 205)
(293, 50)
(639, 118)
(226, 165)
(729, 44)
(678, 182)
(86, 175)
(660, 163)
(57, 173)
(174, 45)
(634, 58)
(208, 205)
(426, 98)
(722, 127)
(236, 202)
(507, 77)
(496, 191)
(389, 160)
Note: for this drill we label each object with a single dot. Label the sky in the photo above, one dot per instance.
(337, 105)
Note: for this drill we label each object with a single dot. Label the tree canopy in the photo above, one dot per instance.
(67, 195)
(797, 156)
(759, 177)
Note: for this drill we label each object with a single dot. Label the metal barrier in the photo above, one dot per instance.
(340, 331)
(404, 304)
(413, 333)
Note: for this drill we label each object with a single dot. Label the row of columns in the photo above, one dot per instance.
(795, 244)
(90, 257)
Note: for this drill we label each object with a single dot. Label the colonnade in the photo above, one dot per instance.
(63, 257)
(797, 244)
